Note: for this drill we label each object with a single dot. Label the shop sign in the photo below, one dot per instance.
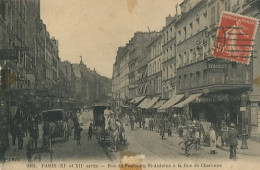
(216, 98)
(217, 66)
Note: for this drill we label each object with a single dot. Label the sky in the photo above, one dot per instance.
(94, 29)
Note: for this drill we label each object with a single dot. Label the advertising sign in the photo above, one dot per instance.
(235, 37)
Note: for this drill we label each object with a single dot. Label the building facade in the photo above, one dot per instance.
(169, 57)
(154, 74)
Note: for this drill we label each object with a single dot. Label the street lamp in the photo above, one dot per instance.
(244, 121)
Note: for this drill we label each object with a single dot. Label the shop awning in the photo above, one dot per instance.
(171, 102)
(188, 100)
(151, 102)
(137, 99)
(159, 104)
(144, 103)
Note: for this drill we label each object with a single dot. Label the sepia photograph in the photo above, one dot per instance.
(129, 84)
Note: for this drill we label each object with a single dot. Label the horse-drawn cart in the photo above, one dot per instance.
(107, 128)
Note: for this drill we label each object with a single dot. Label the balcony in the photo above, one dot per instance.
(216, 75)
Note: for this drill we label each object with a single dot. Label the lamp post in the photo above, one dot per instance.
(244, 121)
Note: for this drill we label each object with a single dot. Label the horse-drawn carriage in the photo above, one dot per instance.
(52, 122)
(108, 127)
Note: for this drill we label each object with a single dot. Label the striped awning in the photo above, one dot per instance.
(151, 102)
(171, 102)
(159, 104)
(137, 99)
(144, 103)
(188, 100)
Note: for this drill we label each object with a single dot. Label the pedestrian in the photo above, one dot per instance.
(90, 131)
(66, 131)
(162, 129)
(70, 126)
(13, 130)
(213, 141)
(143, 122)
(4, 142)
(78, 131)
(132, 122)
(232, 134)
(169, 128)
(20, 136)
(29, 148)
(34, 134)
(224, 134)
(76, 126)
(151, 123)
(147, 123)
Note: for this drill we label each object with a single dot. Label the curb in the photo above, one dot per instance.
(238, 152)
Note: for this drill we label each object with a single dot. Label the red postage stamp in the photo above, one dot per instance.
(235, 37)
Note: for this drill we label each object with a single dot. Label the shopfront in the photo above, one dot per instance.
(215, 108)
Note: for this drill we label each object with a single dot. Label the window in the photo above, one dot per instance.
(197, 74)
(227, 5)
(198, 24)
(160, 64)
(179, 32)
(191, 28)
(212, 12)
(185, 33)
(154, 67)
(234, 65)
(167, 72)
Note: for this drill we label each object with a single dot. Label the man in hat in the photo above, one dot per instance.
(20, 136)
(232, 134)
(90, 131)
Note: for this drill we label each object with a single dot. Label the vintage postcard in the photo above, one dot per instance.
(129, 84)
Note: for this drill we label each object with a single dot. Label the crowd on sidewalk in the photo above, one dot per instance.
(187, 129)
(22, 130)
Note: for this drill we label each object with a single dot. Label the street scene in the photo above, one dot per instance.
(129, 84)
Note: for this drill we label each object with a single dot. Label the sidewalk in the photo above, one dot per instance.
(253, 148)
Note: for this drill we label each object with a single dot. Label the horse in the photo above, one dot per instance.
(113, 132)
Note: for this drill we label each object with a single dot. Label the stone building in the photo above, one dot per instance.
(214, 88)
(13, 31)
(154, 76)
(169, 57)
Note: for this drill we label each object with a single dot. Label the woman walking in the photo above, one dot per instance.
(212, 136)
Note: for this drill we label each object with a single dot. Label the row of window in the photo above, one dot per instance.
(169, 52)
(191, 56)
(155, 86)
(169, 34)
(192, 28)
(169, 72)
(154, 67)
(156, 50)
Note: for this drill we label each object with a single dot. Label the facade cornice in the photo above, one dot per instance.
(170, 41)
(201, 4)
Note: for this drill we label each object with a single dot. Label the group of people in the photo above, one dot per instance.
(20, 129)
(193, 128)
